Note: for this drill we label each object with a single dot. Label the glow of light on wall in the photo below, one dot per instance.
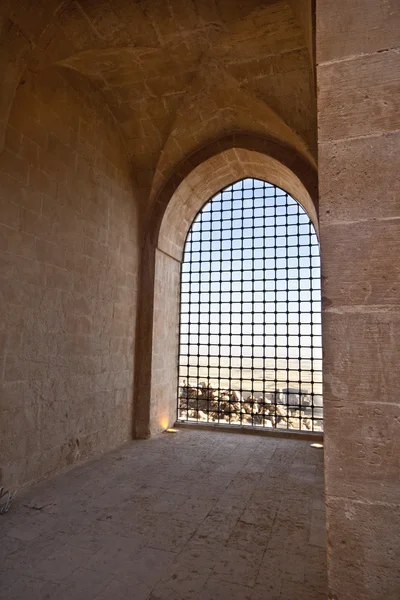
(164, 423)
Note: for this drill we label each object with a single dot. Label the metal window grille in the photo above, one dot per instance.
(250, 312)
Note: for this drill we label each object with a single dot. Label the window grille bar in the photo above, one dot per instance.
(250, 348)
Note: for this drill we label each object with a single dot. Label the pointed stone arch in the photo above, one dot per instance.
(198, 178)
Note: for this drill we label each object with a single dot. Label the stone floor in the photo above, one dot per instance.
(193, 515)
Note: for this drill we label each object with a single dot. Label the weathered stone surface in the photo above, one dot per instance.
(358, 182)
(359, 27)
(371, 430)
(354, 528)
(368, 278)
(358, 86)
(367, 333)
(359, 97)
(62, 374)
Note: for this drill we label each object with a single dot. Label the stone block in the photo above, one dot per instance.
(35, 224)
(41, 182)
(363, 568)
(355, 266)
(17, 395)
(359, 27)
(50, 253)
(12, 191)
(357, 181)
(16, 242)
(20, 293)
(9, 213)
(359, 97)
(13, 165)
(30, 271)
(372, 336)
(59, 278)
(18, 369)
(13, 139)
(362, 450)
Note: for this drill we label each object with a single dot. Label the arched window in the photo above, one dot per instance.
(250, 314)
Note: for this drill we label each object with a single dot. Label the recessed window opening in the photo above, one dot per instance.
(250, 312)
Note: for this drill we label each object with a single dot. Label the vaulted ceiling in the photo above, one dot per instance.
(175, 74)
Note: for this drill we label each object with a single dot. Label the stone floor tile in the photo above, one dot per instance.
(238, 566)
(292, 531)
(318, 503)
(194, 509)
(139, 576)
(243, 487)
(284, 565)
(218, 589)
(249, 536)
(83, 584)
(317, 529)
(259, 514)
(32, 526)
(216, 526)
(200, 555)
(162, 480)
(124, 590)
(315, 573)
(163, 532)
(60, 564)
(202, 489)
(114, 495)
(167, 502)
(148, 492)
(93, 541)
(256, 464)
(140, 570)
(269, 495)
(26, 588)
(151, 564)
(271, 590)
(181, 584)
(8, 547)
(74, 521)
(116, 555)
(293, 591)
(230, 504)
(109, 525)
(270, 489)
(214, 483)
(29, 555)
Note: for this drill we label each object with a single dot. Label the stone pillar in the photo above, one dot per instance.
(358, 76)
(157, 342)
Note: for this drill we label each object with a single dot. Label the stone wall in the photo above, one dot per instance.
(68, 259)
(359, 121)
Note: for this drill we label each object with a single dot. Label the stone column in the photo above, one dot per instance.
(358, 76)
(157, 342)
